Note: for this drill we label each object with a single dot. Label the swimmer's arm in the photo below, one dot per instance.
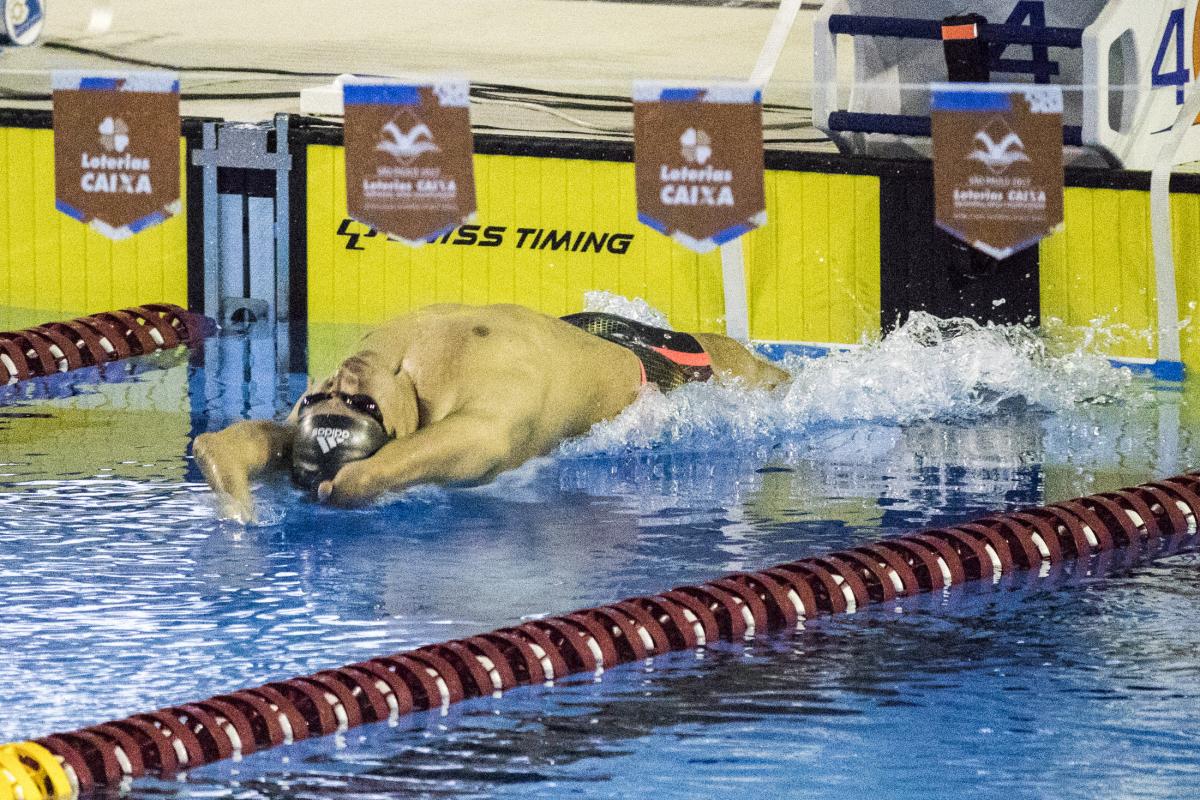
(231, 458)
(731, 361)
(464, 448)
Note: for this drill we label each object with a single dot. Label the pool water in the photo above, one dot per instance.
(120, 590)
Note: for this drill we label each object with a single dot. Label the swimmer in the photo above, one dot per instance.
(455, 395)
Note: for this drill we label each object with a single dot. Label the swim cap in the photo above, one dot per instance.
(324, 443)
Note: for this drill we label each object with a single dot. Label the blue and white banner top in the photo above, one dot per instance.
(698, 153)
(114, 81)
(117, 149)
(409, 156)
(647, 91)
(450, 91)
(1041, 98)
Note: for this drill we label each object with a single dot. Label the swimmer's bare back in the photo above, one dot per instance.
(467, 392)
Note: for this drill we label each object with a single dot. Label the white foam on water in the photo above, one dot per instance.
(635, 309)
(929, 369)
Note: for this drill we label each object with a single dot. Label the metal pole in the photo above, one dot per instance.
(212, 228)
(733, 260)
(1169, 359)
(282, 223)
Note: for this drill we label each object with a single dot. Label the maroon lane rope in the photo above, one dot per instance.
(96, 340)
(1159, 515)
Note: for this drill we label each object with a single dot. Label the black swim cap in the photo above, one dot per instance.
(324, 443)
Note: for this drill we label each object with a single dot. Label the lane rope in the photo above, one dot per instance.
(1145, 521)
(97, 339)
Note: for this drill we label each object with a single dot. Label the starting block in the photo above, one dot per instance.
(1124, 66)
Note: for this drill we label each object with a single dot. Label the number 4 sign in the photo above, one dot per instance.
(1173, 37)
(1139, 61)
(1031, 13)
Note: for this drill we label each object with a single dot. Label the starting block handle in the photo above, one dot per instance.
(911, 125)
(835, 19)
(993, 33)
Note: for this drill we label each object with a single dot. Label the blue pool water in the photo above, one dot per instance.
(120, 591)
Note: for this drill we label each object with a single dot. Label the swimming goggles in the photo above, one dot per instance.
(362, 403)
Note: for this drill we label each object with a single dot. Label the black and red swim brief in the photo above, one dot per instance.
(669, 358)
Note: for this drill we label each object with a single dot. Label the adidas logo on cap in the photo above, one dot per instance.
(329, 438)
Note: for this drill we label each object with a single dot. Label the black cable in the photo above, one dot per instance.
(237, 96)
(575, 134)
(31, 97)
(55, 44)
(564, 105)
(39, 97)
(779, 107)
(483, 90)
(508, 87)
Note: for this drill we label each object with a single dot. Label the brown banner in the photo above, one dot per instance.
(699, 162)
(409, 158)
(998, 165)
(116, 150)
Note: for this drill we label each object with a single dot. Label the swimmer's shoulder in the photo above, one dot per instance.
(455, 326)
(417, 323)
(450, 311)
(500, 317)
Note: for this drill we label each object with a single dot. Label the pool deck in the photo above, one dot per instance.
(582, 46)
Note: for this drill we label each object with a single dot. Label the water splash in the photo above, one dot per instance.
(928, 369)
(635, 309)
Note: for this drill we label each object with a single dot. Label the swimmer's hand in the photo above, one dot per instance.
(463, 449)
(355, 484)
(231, 458)
(229, 479)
